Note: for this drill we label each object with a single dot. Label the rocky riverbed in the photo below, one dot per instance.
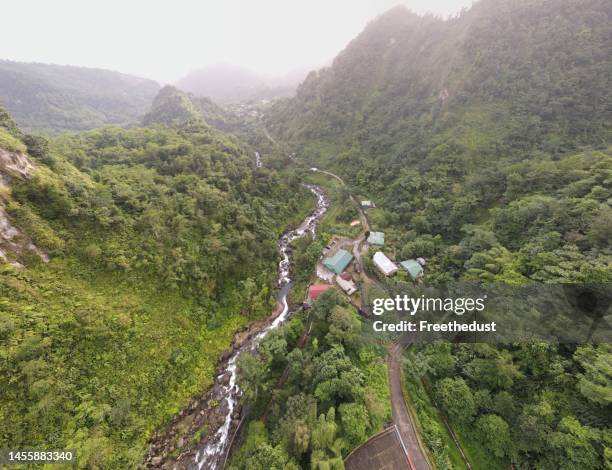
(199, 436)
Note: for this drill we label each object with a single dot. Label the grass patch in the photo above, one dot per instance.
(378, 218)
(101, 355)
(478, 456)
(8, 142)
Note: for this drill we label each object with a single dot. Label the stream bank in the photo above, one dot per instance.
(198, 437)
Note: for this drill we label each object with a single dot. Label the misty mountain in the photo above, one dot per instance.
(495, 122)
(521, 74)
(58, 98)
(174, 107)
(230, 84)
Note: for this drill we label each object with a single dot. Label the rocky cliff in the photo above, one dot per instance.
(14, 244)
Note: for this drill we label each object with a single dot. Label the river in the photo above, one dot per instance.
(212, 455)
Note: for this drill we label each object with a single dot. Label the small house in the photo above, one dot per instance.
(386, 266)
(376, 238)
(315, 290)
(347, 286)
(414, 268)
(367, 204)
(338, 262)
(346, 276)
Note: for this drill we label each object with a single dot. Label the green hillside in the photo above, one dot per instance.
(57, 98)
(162, 243)
(505, 76)
(172, 106)
(486, 133)
(485, 143)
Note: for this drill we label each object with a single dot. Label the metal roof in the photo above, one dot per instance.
(339, 261)
(384, 264)
(347, 286)
(413, 267)
(376, 238)
(317, 289)
(383, 450)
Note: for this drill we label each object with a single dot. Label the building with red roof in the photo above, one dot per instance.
(315, 290)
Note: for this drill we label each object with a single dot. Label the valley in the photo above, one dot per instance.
(190, 273)
(211, 452)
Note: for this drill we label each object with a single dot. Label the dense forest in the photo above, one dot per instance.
(130, 255)
(535, 405)
(173, 107)
(484, 141)
(162, 242)
(334, 395)
(56, 98)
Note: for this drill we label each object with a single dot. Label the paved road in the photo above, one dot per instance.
(328, 173)
(401, 416)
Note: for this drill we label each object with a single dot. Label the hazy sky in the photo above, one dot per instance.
(163, 40)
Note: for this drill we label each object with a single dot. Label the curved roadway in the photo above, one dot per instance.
(400, 413)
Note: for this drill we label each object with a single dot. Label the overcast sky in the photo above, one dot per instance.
(165, 40)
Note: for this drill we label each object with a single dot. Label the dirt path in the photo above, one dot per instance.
(401, 416)
(328, 173)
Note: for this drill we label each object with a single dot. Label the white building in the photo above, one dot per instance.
(386, 266)
(347, 286)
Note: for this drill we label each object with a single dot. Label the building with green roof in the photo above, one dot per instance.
(414, 268)
(338, 262)
(376, 238)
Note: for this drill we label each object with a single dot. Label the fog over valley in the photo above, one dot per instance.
(270, 38)
(306, 235)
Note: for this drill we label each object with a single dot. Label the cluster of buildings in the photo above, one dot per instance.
(338, 262)
(414, 267)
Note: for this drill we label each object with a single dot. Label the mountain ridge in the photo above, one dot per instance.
(63, 98)
(411, 74)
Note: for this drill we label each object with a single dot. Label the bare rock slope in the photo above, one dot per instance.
(13, 242)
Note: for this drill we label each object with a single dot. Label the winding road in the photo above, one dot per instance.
(210, 452)
(401, 415)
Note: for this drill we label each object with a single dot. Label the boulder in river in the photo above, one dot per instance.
(226, 355)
